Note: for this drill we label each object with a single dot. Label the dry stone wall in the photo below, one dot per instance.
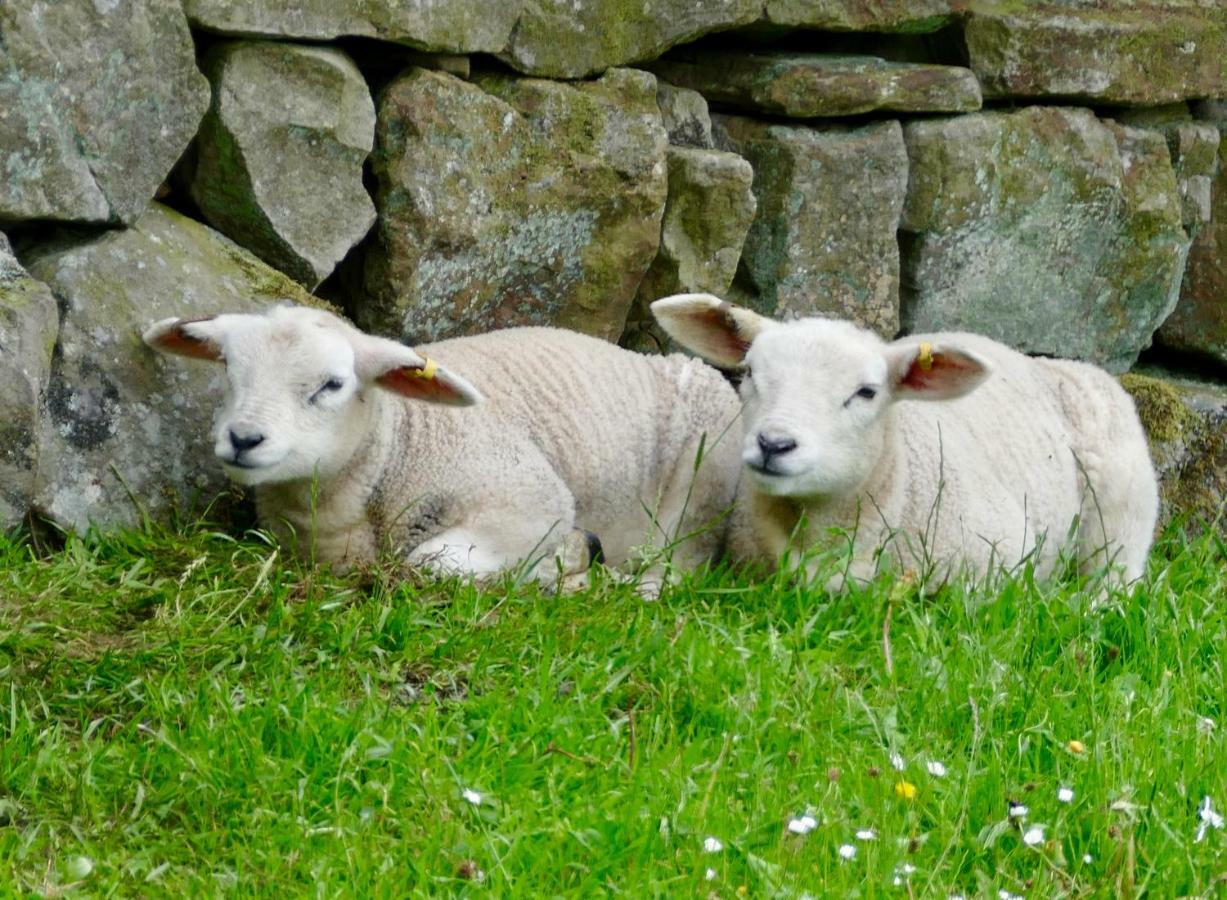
(1052, 173)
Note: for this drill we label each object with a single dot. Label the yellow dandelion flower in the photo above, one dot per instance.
(905, 789)
(1077, 747)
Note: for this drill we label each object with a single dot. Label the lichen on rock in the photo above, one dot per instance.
(513, 201)
(1026, 226)
(127, 432)
(829, 201)
(278, 163)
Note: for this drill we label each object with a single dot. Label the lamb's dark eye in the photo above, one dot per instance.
(328, 387)
(867, 393)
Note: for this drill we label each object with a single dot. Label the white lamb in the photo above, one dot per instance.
(1014, 451)
(357, 442)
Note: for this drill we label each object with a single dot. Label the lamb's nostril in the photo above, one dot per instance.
(775, 446)
(242, 442)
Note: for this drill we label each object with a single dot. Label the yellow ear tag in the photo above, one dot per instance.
(427, 372)
(925, 359)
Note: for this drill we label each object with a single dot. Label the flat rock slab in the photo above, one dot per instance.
(91, 119)
(811, 85)
(128, 430)
(910, 16)
(1115, 52)
(1186, 425)
(708, 213)
(454, 26)
(279, 157)
(1199, 323)
(28, 325)
(1047, 229)
(569, 39)
(513, 201)
(829, 201)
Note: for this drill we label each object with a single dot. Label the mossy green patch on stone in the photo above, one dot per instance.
(512, 200)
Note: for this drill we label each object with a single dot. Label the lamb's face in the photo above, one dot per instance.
(294, 401)
(816, 392)
(815, 396)
(299, 395)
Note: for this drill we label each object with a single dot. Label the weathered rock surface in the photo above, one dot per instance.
(28, 325)
(708, 213)
(566, 39)
(1186, 425)
(279, 156)
(91, 121)
(125, 426)
(455, 26)
(685, 116)
(1045, 228)
(808, 85)
(829, 202)
(513, 201)
(1199, 322)
(857, 15)
(1115, 52)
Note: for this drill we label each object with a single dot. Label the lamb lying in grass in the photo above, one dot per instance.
(1009, 453)
(359, 444)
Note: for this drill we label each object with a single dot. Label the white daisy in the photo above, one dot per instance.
(712, 845)
(709, 875)
(897, 761)
(1034, 836)
(866, 834)
(936, 768)
(803, 824)
(1065, 795)
(1209, 819)
(472, 796)
(1018, 811)
(847, 851)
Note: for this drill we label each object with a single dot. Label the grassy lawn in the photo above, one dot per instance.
(190, 714)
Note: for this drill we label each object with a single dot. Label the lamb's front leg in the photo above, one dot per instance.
(485, 553)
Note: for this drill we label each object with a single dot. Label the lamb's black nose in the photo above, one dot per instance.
(242, 442)
(775, 446)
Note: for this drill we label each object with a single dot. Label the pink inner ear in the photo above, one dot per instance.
(178, 341)
(408, 382)
(721, 322)
(943, 367)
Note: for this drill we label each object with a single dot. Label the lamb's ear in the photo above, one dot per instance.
(713, 328)
(195, 338)
(400, 369)
(926, 370)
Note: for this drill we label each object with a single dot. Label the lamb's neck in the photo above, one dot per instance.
(328, 513)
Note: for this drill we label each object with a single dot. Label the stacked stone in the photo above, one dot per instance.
(439, 169)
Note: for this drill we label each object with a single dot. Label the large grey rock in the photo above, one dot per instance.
(279, 156)
(708, 213)
(513, 201)
(808, 85)
(1186, 425)
(127, 429)
(1199, 322)
(829, 200)
(454, 26)
(1109, 52)
(914, 16)
(685, 116)
(28, 325)
(1045, 228)
(569, 39)
(97, 102)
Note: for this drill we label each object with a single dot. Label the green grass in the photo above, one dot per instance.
(190, 714)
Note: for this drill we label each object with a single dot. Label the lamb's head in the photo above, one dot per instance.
(816, 393)
(299, 384)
